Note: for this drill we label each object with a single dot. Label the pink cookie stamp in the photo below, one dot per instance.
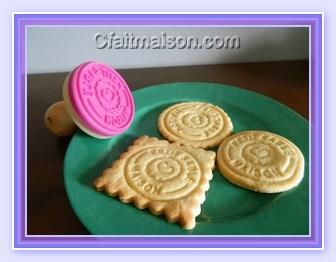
(98, 100)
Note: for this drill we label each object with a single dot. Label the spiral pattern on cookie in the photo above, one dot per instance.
(161, 173)
(260, 160)
(195, 122)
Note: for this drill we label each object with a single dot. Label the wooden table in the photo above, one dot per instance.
(48, 208)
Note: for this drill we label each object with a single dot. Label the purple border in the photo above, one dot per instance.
(20, 240)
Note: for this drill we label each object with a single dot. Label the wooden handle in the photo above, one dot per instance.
(58, 120)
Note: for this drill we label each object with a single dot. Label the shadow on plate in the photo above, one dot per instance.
(237, 206)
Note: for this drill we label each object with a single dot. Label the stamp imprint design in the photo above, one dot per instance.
(162, 173)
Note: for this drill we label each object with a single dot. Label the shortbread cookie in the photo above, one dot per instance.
(196, 124)
(167, 178)
(260, 161)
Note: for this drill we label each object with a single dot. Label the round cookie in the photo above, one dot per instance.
(197, 124)
(260, 161)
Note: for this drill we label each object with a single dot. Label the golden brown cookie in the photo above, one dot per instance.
(196, 124)
(260, 161)
(166, 178)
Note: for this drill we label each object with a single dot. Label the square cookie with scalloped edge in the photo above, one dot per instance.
(167, 178)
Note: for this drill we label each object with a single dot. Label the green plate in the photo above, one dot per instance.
(228, 209)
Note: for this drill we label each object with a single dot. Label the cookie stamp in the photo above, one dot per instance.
(167, 178)
(261, 161)
(96, 99)
(99, 100)
(197, 124)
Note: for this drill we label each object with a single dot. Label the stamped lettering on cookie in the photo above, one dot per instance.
(195, 123)
(166, 178)
(161, 173)
(260, 158)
